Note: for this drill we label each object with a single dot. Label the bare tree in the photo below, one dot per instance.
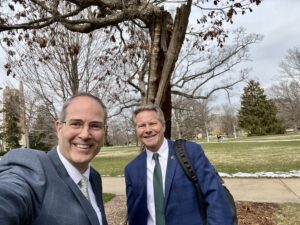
(228, 120)
(198, 76)
(71, 62)
(121, 130)
(166, 34)
(39, 123)
(286, 96)
(190, 117)
(290, 65)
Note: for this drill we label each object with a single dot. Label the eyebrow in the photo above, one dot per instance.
(80, 120)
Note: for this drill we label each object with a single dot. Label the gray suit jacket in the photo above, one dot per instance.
(35, 189)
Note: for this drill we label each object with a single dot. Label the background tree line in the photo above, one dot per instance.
(139, 47)
(127, 55)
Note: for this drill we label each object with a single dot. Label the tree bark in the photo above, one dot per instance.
(167, 110)
(171, 41)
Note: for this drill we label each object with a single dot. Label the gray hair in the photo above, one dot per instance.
(150, 107)
(63, 113)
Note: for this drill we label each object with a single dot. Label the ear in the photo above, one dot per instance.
(164, 128)
(58, 126)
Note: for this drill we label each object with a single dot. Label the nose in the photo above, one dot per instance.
(148, 129)
(85, 132)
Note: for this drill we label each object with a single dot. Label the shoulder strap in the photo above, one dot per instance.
(184, 160)
(188, 169)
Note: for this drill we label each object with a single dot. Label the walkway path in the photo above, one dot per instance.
(243, 189)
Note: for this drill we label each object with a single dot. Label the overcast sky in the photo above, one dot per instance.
(278, 21)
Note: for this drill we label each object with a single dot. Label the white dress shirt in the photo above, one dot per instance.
(76, 177)
(163, 160)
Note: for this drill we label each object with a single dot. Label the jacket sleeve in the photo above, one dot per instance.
(215, 199)
(21, 186)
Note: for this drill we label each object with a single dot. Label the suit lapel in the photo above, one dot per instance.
(171, 168)
(142, 163)
(62, 172)
(97, 189)
(141, 178)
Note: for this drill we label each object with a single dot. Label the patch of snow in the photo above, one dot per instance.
(293, 173)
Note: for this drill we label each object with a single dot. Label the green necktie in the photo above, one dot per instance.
(158, 192)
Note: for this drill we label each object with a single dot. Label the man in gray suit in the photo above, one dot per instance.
(59, 187)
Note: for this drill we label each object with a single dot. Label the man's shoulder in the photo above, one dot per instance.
(188, 143)
(24, 152)
(94, 172)
(23, 165)
(136, 160)
(23, 156)
(192, 148)
(193, 144)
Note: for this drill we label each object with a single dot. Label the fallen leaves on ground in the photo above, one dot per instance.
(249, 213)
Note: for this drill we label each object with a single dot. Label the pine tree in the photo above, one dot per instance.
(257, 115)
(12, 132)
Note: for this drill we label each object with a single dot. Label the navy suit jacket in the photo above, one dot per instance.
(181, 206)
(35, 189)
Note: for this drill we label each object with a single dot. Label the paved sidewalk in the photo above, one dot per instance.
(277, 190)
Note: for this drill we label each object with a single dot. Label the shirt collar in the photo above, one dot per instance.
(72, 171)
(162, 151)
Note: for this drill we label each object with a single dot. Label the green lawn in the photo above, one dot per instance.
(107, 197)
(111, 165)
(232, 157)
(255, 154)
(288, 214)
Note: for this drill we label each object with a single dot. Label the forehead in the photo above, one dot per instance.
(146, 115)
(84, 106)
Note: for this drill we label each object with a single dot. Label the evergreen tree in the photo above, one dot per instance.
(12, 132)
(257, 115)
(1, 141)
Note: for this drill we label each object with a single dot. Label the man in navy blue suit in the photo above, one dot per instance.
(58, 187)
(180, 206)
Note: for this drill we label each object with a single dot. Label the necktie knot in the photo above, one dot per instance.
(155, 156)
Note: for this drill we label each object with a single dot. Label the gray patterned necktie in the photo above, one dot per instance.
(83, 185)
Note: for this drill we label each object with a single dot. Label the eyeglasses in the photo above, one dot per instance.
(79, 124)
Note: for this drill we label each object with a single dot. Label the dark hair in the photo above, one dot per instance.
(150, 107)
(81, 94)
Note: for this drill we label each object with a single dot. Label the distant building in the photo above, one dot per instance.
(16, 97)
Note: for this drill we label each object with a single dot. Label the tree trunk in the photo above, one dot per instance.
(167, 110)
(171, 40)
(167, 39)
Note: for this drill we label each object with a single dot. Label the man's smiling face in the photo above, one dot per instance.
(79, 138)
(149, 129)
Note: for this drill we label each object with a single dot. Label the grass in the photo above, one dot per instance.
(255, 154)
(107, 197)
(262, 138)
(249, 155)
(111, 166)
(288, 214)
(232, 157)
